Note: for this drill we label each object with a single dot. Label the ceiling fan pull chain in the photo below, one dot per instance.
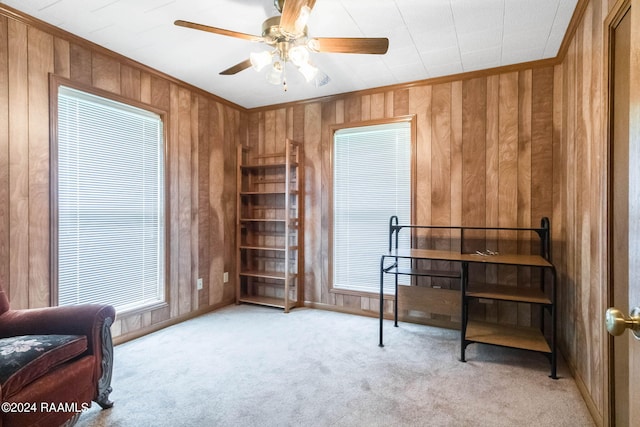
(284, 75)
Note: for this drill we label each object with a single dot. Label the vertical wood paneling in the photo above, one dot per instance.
(4, 153)
(231, 122)
(474, 114)
(313, 202)
(401, 102)
(203, 233)
(542, 138)
(80, 64)
(40, 54)
(329, 116)
(473, 195)
(105, 73)
(352, 109)
(377, 106)
(581, 215)
(579, 200)
(524, 186)
(130, 82)
(420, 105)
(216, 166)
(194, 226)
(441, 155)
(441, 179)
(62, 65)
(456, 171)
(491, 178)
(184, 201)
(420, 102)
(161, 95)
(365, 104)
(507, 183)
(173, 192)
(598, 209)
(18, 166)
(145, 88)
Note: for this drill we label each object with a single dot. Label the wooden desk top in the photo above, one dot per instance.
(439, 255)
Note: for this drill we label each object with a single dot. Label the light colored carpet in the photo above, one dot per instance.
(255, 366)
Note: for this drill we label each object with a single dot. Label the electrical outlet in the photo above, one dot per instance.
(225, 277)
(200, 284)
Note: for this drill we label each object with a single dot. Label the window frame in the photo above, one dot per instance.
(54, 84)
(411, 119)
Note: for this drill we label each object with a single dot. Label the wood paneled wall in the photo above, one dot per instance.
(484, 156)
(202, 132)
(580, 235)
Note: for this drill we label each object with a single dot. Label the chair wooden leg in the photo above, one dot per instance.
(104, 383)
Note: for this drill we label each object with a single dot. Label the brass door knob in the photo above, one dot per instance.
(617, 322)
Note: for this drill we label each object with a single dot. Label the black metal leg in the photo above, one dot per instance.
(465, 312)
(395, 300)
(381, 299)
(553, 325)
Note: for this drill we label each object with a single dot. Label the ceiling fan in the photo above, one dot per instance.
(287, 37)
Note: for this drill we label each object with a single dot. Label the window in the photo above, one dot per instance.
(110, 230)
(371, 182)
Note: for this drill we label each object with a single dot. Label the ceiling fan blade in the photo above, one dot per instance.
(215, 30)
(349, 45)
(236, 68)
(295, 14)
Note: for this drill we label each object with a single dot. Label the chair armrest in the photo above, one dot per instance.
(84, 319)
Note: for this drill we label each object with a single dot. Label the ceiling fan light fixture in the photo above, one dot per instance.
(259, 60)
(299, 55)
(308, 71)
(274, 76)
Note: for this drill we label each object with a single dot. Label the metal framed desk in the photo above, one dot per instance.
(544, 295)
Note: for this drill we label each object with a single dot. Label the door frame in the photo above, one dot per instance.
(616, 13)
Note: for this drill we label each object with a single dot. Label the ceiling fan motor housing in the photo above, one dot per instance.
(273, 34)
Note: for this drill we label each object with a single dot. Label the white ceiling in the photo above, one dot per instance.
(427, 38)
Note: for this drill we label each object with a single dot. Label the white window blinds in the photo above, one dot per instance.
(371, 182)
(110, 202)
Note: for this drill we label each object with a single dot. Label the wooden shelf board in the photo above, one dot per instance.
(268, 301)
(262, 220)
(507, 336)
(268, 166)
(262, 166)
(274, 154)
(264, 274)
(507, 293)
(263, 248)
(262, 193)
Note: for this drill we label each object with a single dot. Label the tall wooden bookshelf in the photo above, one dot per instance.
(270, 240)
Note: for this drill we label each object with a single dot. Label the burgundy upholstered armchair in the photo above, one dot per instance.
(53, 362)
